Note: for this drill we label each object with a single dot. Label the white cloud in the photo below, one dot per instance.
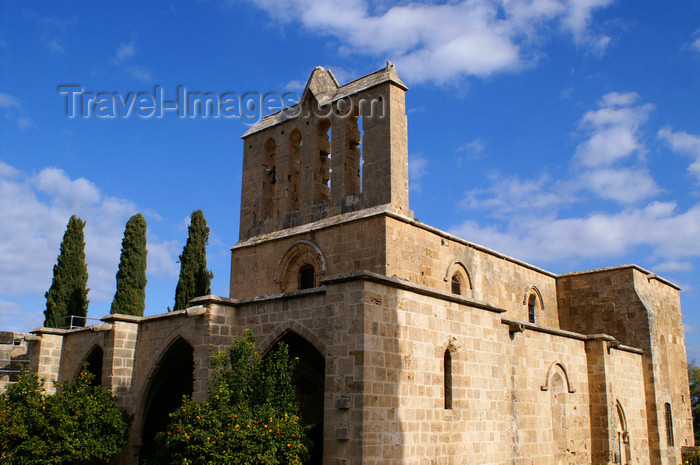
(8, 101)
(7, 171)
(14, 318)
(446, 41)
(528, 222)
(417, 167)
(125, 51)
(684, 143)
(507, 196)
(673, 266)
(670, 234)
(475, 147)
(123, 55)
(295, 85)
(624, 185)
(613, 130)
(55, 46)
(140, 73)
(696, 43)
(15, 111)
(36, 210)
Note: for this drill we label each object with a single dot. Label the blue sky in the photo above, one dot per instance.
(562, 132)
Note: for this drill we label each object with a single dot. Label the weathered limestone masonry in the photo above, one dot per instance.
(13, 356)
(416, 347)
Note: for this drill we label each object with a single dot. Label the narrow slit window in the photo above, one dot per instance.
(307, 277)
(669, 424)
(447, 367)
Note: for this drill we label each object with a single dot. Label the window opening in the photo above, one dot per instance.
(447, 370)
(294, 174)
(456, 284)
(322, 175)
(269, 178)
(307, 277)
(669, 424)
(531, 308)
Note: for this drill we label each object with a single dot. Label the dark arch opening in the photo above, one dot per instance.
(309, 382)
(172, 379)
(307, 277)
(94, 365)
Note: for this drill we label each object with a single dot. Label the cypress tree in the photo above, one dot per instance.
(68, 292)
(195, 279)
(130, 298)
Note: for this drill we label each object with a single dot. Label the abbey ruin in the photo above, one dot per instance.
(417, 347)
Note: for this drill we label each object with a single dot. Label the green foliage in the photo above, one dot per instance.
(68, 292)
(130, 298)
(250, 416)
(195, 279)
(692, 459)
(694, 380)
(79, 424)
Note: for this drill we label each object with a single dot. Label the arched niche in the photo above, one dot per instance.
(558, 391)
(309, 381)
(458, 270)
(621, 447)
(557, 367)
(171, 378)
(296, 260)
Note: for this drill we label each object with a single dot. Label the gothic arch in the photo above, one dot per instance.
(557, 367)
(532, 289)
(297, 255)
(309, 379)
(291, 327)
(457, 267)
(622, 452)
(170, 377)
(95, 360)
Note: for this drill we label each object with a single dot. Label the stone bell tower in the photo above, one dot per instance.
(341, 149)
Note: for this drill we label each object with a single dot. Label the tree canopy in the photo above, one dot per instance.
(78, 424)
(694, 380)
(130, 297)
(68, 292)
(195, 279)
(250, 415)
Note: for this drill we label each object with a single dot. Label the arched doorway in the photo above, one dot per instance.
(171, 379)
(94, 364)
(309, 381)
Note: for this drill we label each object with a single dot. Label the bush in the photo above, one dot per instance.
(79, 424)
(250, 415)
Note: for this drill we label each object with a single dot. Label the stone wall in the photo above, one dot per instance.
(13, 356)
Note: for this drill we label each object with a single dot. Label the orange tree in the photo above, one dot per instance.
(80, 424)
(250, 416)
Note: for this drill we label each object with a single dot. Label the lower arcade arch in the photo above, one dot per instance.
(172, 378)
(309, 381)
(93, 362)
